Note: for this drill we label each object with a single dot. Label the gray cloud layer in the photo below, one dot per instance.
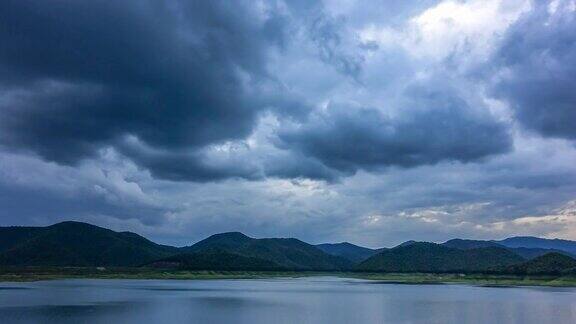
(79, 77)
(371, 121)
(537, 65)
(434, 127)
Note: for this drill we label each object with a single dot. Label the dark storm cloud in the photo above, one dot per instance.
(326, 33)
(48, 207)
(178, 77)
(78, 76)
(434, 126)
(537, 62)
(241, 105)
(293, 165)
(194, 166)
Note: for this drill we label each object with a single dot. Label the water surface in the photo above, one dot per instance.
(304, 300)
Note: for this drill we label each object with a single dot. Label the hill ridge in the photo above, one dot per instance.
(74, 243)
(432, 257)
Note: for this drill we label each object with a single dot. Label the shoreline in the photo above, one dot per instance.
(485, 280)
(488, 280)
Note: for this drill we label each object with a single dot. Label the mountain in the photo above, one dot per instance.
(76, 244)
(85, 245)
(214, 259)
(410, 242)
(525, 252)
(431, 257)
(469, 244)
(223, 241)
(551, 263)
(531, 253)
(349, 251)
(540, 243)
(288, 253)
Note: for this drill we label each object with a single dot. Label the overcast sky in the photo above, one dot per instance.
(373, 121)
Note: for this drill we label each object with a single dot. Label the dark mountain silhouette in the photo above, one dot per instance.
(531, 253)
(76, 244)
(223, 241)
(469, 244)
(431, 257)
(215, 259)
(410, 242)
(84, 245)
(288, 253)
(81, 244)
(525, 252)
(551, 263)
(349, 251)
(540, 243)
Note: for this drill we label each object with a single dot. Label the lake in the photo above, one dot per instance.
(303, 300)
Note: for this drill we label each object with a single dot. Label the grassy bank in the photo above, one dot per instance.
(47, 273)
(36, 274)
(470, 279)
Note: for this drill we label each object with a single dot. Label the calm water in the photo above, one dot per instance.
(308, 300)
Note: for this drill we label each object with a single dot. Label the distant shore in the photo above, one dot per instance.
(41, 273)
(468, 279)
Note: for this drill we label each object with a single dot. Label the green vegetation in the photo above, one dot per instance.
(348, 251)
(76, 244)
(551, 263)
(540, 243)
(531, 253)
(51, 273)
(497, 280)
(215, 259)
(283, 253)
(469, 244)
(430, 257)
(79, 250)
(525, 252)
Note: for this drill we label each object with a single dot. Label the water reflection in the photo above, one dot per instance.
(308, 300)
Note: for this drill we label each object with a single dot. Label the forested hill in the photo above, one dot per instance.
(430, 257)
(287, 253)
(76, 244)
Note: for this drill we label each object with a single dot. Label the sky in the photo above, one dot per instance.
(373, 121)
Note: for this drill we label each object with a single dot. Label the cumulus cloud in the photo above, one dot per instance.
(39, 192)
(77, 77)
(434, 126)
(536, 69)
(368, 121)
(81, 77)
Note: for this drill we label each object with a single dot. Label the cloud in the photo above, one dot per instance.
(433, 126)
(39, 192)
(199, 79)
(535, 69)
(209, 164)
(79, 77)
(326, 33)
(368, 121)
(560, 223)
